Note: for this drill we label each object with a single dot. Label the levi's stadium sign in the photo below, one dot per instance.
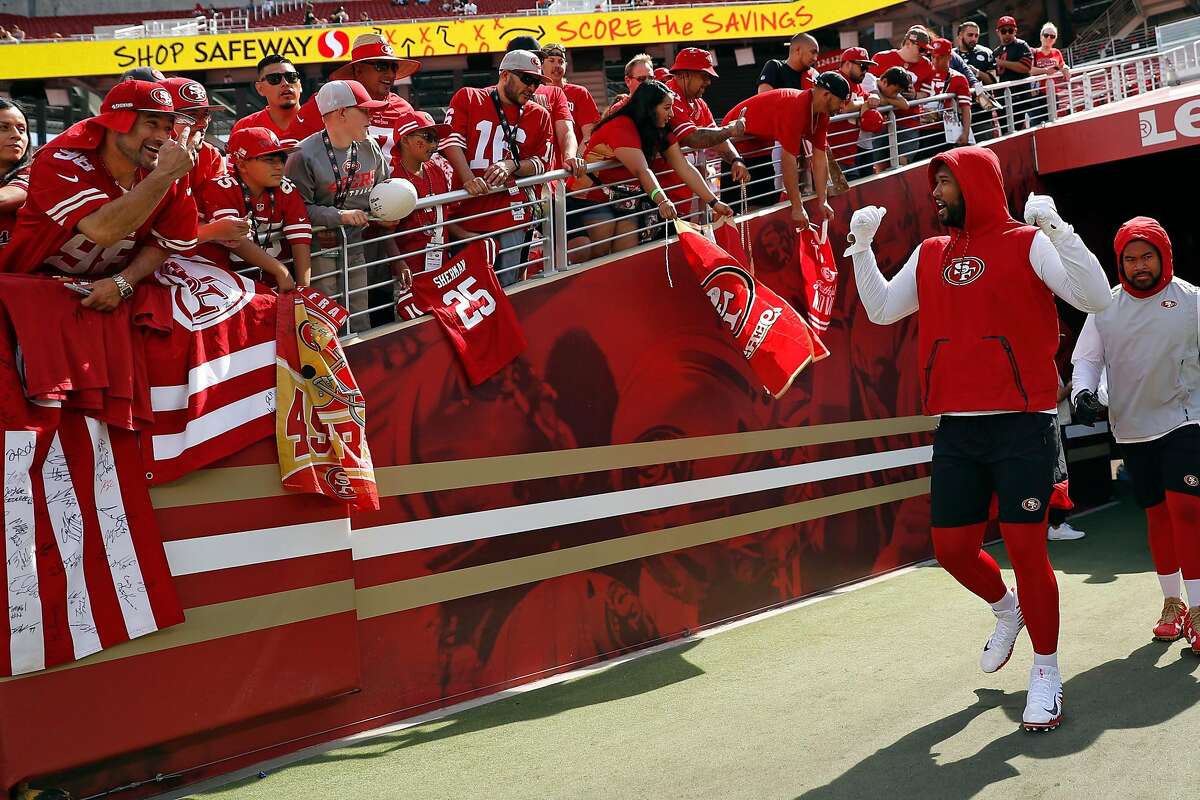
(452, 36)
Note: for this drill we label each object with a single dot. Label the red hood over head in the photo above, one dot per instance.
(1148, 230)
(981, 182)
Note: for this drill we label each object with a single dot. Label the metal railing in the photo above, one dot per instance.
(558, 234)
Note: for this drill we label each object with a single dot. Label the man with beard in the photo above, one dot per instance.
(279, 84)
(844, 134)
(485, 123)
(982, 63)
(1147, 341)
(554, 99)
(692, 121)
(1014, 59)
(910, 56)
(988, 332)
(105, 198)
(374, 64)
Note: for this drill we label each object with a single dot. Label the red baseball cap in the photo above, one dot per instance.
(662, 74)
(941, 47)
(871, 121)
(695, 59)
(121, 105)
(858, 55)
(1006, 22)
(413, 121)
(372, 47)
(247, 143)
(187, 94)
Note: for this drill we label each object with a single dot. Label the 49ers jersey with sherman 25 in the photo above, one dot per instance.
(65, 186)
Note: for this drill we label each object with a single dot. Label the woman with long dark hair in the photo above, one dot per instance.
(14, 164)
(636, 135)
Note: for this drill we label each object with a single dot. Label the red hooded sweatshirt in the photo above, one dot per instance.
(988, 325)
(1147, 230)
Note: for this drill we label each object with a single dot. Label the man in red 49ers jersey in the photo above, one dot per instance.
(988, 332)
(105, 197)
(375, 65)
(496, 136)
(257, 192)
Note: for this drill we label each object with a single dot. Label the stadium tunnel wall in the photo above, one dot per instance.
(627, 384)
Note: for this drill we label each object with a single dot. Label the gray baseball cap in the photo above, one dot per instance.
(523, 61)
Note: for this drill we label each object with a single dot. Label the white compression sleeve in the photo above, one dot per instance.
(886, 301)
(1070, 270)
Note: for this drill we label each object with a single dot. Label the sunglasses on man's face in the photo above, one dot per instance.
(528, 79)
(1049, 36)
(638, 78)
(427, 137)
(385, 66)
(276, 78)
(1008, 30)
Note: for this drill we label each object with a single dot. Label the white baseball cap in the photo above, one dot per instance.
(345, 94)
(525, 61)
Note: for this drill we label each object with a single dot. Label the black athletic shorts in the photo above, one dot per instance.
(1168, 463)
(1009, 455)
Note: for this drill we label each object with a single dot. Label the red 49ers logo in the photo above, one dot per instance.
(194, 93)
(731, 290)
(962, 271)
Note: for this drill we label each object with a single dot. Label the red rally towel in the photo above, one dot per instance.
(820, 272)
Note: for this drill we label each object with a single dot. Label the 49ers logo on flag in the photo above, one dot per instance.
(962, 271)
(731, 290)
(772, 337)
(204, 295)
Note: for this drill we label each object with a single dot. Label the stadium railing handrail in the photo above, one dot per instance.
(1019, 102)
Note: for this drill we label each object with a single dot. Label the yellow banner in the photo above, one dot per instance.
(459, 35)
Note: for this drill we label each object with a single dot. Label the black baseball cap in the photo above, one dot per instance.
(835, 83)
(526, 43)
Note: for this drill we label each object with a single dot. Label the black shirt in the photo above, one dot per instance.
(1016, 50)
(781, 76)
(980, 58)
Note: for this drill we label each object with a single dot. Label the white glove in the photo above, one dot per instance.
(863, 226)
(1041, 211)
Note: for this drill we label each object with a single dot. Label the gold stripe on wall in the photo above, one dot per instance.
(231, 484)
(205, 623)
(429, 589)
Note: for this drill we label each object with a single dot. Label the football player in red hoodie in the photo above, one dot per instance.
(988, 332)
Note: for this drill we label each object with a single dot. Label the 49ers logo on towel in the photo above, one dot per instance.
(962, 271)
(731, 290)
(212, 294)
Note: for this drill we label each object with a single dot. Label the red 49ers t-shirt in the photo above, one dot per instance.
(8, 218)
(475, 314)
(554, 99)
(475, 128)
(785, 116)
(210, 163)
(583, 108)
(65, 186)
(280, 215)
(617, 133)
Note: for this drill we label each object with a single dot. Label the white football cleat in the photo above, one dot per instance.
(999, 648)
(1044, 705)
(1064, 533)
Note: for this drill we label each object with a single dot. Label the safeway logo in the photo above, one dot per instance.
(1186, 123)
(334, 44)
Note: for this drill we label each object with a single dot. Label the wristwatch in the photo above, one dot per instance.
(123, 286)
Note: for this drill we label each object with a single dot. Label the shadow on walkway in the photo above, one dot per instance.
(1112, 696)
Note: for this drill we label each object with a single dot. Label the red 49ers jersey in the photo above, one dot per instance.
(7, 218)
(65, 186)
(210, 163)
(279, 213)
(474, 312)
(475, 127)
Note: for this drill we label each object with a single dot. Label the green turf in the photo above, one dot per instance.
(873, 694)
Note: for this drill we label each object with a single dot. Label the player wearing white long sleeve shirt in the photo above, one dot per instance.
(1148, 341)
(987, 335)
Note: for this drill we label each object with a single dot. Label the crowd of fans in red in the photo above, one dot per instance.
(104, 204)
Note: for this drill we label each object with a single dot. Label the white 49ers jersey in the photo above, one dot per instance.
(66, 186)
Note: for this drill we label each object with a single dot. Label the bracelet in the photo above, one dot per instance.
(657, 191)
(738, 160)
(123, 286)
(713, 203)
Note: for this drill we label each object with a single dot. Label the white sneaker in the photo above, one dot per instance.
(1064, 533)
(999, 648)
(1044, 705)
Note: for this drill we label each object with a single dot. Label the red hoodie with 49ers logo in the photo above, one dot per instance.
(989, 327)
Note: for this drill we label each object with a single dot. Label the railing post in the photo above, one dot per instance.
(1052, 101)
(1088, 102)
(1010, 115)
(893, 141)
(1118, 84)
(345, 259)
(554, 230)
(1141, 77)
